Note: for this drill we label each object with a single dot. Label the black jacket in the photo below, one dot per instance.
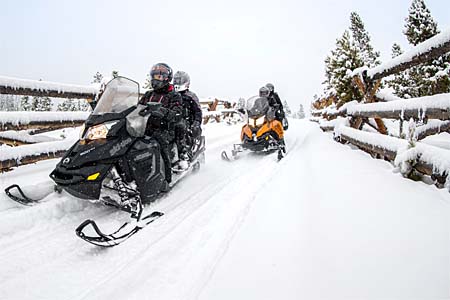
(192, 108)
(171, 101)
(274, 99)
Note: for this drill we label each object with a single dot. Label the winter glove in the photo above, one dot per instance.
(168, 113)
(196, 129)
(147, 111)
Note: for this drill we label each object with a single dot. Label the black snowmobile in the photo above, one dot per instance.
(116, 163)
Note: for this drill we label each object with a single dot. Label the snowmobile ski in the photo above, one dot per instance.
(225, 156)
(15, 193)
(233, 154)
(127, 230)
(21, 197)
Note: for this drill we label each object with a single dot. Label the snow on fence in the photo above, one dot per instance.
(27, 154)
(26, 87)
(422, 53)
(213, 113)
(19, 128)
(40, 120)
(418, 157)
(410, 156)
(423, 108)
(23, 137)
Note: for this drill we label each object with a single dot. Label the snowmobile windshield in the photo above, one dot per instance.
(118, 95)
(257, 106)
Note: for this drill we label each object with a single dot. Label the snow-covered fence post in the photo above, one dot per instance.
(369, 89)
(407, 166)
(369, 80)
(215, 113)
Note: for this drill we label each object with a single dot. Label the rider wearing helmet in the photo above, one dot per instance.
(191, 104)
(162, 128)
(275, 101)
(264, 92)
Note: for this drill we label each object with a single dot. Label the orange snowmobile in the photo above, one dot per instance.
(262, 133)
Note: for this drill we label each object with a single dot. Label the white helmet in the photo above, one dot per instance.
(181, 81)
(270, 87)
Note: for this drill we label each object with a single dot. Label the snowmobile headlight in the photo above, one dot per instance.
(98, 131)
(260, 121)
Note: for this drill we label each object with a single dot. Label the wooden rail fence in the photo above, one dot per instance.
(433, 112)
(30, 150)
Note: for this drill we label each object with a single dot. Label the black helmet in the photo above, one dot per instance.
(160, 76)
(181, 81)
(270, 87)
(264, 92)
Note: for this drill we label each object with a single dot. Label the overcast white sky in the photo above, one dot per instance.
(230, 48)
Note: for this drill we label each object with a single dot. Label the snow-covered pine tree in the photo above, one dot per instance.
(420, 25)
(97, 78)
(241, 104)
(301, 112)
(400, 82)
(25, 103)
(67, 105)
(369, 56)
(338, 69)
(83, 105)
(41, 103)
(287, 109)
(431, 78)
(9, 102)
(148, 82)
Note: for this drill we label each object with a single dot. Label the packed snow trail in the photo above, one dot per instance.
(283, 230)
(338, 225)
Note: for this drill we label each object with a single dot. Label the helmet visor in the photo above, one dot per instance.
(178, 80)
(159, 72)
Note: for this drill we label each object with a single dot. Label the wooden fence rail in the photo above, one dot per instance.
(433, 111)
(30, 150)
(422, 53)
(25, 87)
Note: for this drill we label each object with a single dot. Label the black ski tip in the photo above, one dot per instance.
(156, 214)
(224, 156)
(123, 233)
(22, 199)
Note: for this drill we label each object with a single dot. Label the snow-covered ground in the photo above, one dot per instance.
(327, 222)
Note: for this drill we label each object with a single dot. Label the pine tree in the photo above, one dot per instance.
(420, 25)
(369, 56)
(98, 77)
(83, 105)
(286, 108)
(67, 105)
(148, 82)
(301, 112)
(41, 103)
(25, 103)
(339, 66)
(431, 78)
(9, 102)
(400, 81)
